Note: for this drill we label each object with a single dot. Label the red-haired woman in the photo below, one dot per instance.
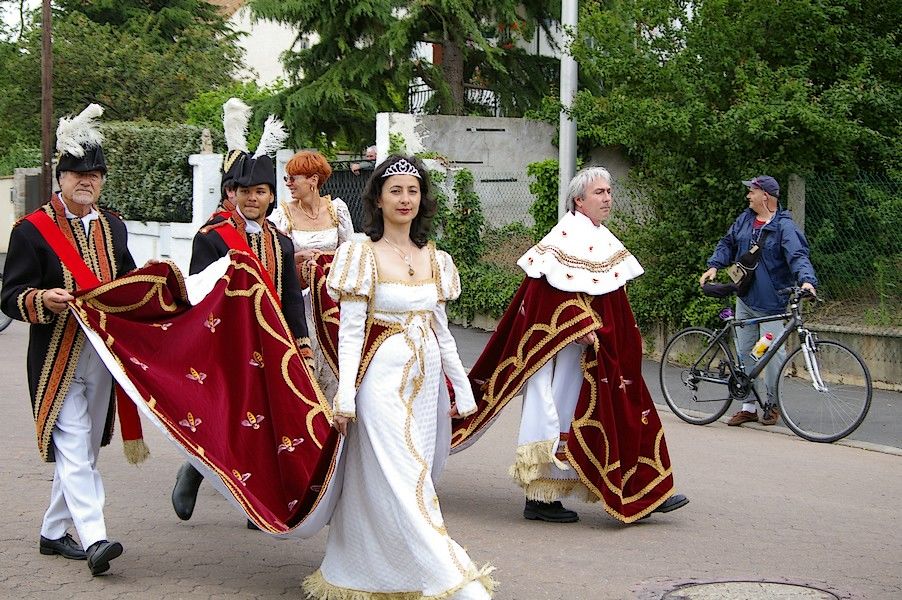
(316, 225)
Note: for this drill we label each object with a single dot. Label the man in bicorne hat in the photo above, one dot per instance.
(246, 229)
(69, 244)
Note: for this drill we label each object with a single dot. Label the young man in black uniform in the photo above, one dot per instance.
(246, 228)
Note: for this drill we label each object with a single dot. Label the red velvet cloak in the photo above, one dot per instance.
(616, 443)
(224, 380)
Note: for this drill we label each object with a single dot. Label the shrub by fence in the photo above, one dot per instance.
(854, 227)
(149, 175)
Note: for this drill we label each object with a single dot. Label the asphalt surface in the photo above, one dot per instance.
(764, 506)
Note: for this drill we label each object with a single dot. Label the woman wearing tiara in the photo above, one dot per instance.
(317, 225)
(387, 538)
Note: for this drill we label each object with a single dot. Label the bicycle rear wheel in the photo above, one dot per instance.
(838, 408)
(694, 376)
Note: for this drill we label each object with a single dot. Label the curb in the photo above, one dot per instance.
(861, 445)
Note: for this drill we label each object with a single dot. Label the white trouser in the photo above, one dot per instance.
(77, 496)
(549, 400)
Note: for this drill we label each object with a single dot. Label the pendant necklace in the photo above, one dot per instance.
(404, 257)
(314, 216)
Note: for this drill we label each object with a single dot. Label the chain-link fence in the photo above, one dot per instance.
(347, 181)
(854, 228)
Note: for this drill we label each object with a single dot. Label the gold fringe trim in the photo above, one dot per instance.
(532, 462)
(316, 587)
(550, 490)
(136, 451)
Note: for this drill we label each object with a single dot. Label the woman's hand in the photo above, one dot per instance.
(303, 256)
(588, 340)
(340, 423)
(454, 413)
(707, 276)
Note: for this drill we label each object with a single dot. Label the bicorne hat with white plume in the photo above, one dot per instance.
(235, 117)
(260, 169)
(79, 142)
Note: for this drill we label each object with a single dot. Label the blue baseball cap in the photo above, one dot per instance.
(766, 183)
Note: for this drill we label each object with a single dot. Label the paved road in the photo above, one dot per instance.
(763, 506)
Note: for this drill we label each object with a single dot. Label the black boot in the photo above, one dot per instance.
(553, 512)
(184, 493)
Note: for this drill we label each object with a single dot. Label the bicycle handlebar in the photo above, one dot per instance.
(796, 293)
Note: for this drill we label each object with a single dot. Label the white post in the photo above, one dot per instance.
(282, 158)
(383, 126)
(207, 193)
(567, 148)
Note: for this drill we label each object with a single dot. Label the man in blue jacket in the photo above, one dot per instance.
(783, 262)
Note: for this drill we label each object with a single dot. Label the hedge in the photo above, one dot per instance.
(149, 176)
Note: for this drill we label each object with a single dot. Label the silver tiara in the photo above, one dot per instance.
(402, 167)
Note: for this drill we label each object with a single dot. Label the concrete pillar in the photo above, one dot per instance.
(282, 158)
(207, 193)
(569, 83)
(383, 126)
(795, 200)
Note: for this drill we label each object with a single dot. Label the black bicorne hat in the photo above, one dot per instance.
(232, 166)
(93, 160)
(258, 171)
(79, 142)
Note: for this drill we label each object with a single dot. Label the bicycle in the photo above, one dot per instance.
(823, 391)
(5, 320)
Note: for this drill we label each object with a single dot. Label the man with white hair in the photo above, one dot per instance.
(570, 342)
(70, 244)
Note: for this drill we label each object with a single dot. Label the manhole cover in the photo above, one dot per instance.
(748, 590)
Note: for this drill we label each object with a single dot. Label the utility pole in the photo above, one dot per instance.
(46, 104)
(567, 141)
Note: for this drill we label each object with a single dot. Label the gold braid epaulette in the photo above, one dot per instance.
(208, 228)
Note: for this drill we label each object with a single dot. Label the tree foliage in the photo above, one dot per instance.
(705, 93)
(205, 111)
(138, 59)
(366, 57)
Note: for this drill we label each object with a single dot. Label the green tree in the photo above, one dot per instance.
(140, 60)
(205, 111)
(701, 94)
(365, 57)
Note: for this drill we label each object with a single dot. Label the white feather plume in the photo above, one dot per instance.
(235, 117)
(274, 136)
(73, 134)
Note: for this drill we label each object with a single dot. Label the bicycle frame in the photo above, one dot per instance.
(794, 322)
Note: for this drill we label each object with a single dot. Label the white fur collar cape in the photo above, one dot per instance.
(578, 256)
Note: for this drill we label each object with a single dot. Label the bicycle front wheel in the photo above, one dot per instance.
(694, 375)
(828, 399)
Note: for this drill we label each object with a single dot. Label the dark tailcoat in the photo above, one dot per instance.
(275, 251)
(55, 341)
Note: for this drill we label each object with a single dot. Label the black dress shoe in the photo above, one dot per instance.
(553, 512)
(184, 493)
(65, 547)
(674, 502)
(252, 526)
(100, 554)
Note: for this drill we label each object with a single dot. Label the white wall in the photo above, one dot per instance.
(7, 211)
(161, 241)
(263, 44)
